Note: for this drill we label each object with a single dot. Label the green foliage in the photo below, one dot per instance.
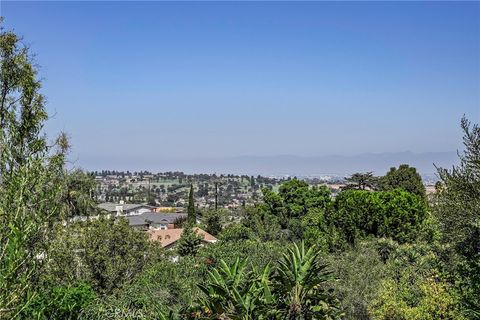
(319, 230)
(414, 288)
(300, 286)
(235, 292)
(30, 175)
(298, 197)
(192, 217)
(295, 289)
(236, 232)
(290, 206)
(457, 208)
(294, 199)
(391, 259)
(406, 178)
(359, 271)
(189, 243)
(114, 253)
(60, 303)
(261, 223)
(180, 222)
(259, 253)
(79, 194)
(163, 287)
(357, 214)
(105, 253)
(151, 200)
(430, 300)
(403, 215)
(396, 214)
(361, 181)
(213, 221)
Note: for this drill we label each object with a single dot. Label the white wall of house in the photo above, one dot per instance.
(135, 212)
(143, 210)
(159, 226)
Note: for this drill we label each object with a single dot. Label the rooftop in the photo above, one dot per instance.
(154, 217)
(170, 236)
(112, 207)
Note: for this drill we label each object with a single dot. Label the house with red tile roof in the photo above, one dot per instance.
(169, 237)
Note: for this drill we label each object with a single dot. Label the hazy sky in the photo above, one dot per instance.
(219, 79)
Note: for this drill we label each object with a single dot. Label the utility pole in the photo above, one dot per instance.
(216, 195)
(148, 196)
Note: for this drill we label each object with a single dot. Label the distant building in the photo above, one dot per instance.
(125, 209)
(153, 220)
(169, 237)
(168, 209)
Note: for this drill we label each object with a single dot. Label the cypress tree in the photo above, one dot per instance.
(216, 195)
(191, 207)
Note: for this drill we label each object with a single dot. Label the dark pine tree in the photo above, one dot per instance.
(191, 207)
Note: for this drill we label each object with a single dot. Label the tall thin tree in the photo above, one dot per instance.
(191, 207)
(31, 176)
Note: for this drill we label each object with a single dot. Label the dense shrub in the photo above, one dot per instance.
(359, 272)
(396, 214)
(414, 288)
(60, 302)
(406, 178)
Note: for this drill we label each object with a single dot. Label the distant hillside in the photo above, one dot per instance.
(287, 165)
(339, 165)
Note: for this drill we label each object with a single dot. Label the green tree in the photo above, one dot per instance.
(414, 288)
(361, 181)
(295, 289)
(318, 230)
(236, 292)
(105, 253)
(457, 208)
(151, 200)
(79, 193)
(60, 302)
(300, 285)
(115, 253)
(359, 272)
(213, 221)
(397, 214)
(428, 299)
(259, 253)
(294, 199)
(406, 178)
(236, 232)
(160, 288)
(403, 215)
(30, 175)
(192, 218)
(263, 225)
(189, 242)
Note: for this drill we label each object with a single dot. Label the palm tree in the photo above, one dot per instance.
(235, 292)
(361, 181)
(299, 284)
(294, 291)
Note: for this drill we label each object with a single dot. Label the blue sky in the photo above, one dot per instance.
(163, 80)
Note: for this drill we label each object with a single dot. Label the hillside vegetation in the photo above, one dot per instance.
(379, 249)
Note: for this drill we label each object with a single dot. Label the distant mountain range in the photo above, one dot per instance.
(379, 163)
(334, 165)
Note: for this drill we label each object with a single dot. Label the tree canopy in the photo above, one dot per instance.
(406, 178)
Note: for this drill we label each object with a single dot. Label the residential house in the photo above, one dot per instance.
(125, 209)
(169, 237)
(153, 220)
